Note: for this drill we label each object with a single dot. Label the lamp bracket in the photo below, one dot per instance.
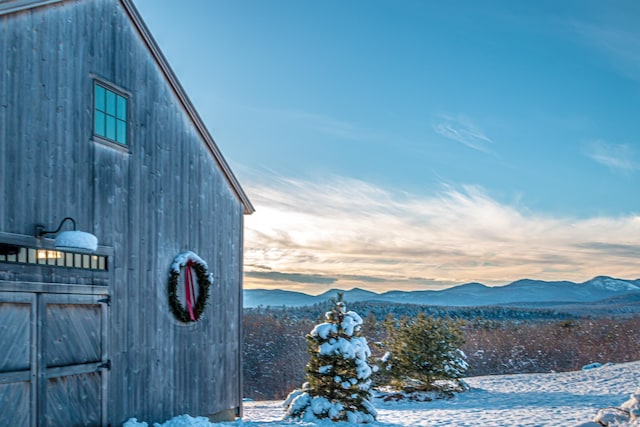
(40, 231)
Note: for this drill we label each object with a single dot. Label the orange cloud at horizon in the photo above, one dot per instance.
(345, 233)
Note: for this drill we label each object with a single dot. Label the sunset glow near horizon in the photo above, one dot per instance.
(420, 145)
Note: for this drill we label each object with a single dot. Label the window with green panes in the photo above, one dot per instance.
(110, 114)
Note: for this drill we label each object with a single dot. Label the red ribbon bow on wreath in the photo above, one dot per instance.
(189, 290)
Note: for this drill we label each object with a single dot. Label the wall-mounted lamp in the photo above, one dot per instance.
(73, 240)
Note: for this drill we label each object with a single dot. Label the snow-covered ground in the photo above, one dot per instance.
(559, 399)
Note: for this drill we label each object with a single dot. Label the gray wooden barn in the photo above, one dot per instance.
(95, 126)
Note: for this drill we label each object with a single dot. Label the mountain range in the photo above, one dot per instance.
(522, 292)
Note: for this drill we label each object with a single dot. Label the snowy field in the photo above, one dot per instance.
(559, 400)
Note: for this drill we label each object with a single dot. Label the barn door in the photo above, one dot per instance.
(63, 381)
(17, 373)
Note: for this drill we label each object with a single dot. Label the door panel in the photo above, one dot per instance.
(73, 334)
(74, 400)
(72, 378)
(17, 333)
(15, 401)
(53, 359)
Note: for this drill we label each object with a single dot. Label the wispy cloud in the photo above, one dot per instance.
(348, 233)
(620, 250)
(617, 157)
(462, 130)
(278, 276)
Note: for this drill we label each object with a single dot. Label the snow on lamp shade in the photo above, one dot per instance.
(76, 241)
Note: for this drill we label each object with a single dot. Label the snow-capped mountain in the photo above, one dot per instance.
(525, 291)
(610, 284)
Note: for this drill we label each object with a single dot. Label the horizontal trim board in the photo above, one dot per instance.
(52, 288)
(124, 149)
(17, 297)
(15, 376)
(63, 371)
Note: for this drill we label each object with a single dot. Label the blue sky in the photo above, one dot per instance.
(420, 144)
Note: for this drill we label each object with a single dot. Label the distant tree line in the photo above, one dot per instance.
(380, 310)
(558, 346)
(496, 340)
(274, 354)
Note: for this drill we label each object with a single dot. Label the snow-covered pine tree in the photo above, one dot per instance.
(338, 383)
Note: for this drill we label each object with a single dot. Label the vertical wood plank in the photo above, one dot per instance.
(3, 111)
(33, 375)
(40, 403)
(104, 332)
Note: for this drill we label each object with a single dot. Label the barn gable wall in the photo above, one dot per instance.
(164, 194)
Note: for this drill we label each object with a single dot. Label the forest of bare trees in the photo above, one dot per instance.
(497, 341)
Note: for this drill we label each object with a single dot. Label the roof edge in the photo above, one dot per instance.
(12, 6)
(175, 84)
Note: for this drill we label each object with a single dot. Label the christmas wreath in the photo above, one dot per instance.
(194, 306)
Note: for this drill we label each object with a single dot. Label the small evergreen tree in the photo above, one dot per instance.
(424, 353)
(338, 384)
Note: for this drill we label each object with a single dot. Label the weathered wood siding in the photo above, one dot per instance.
(162, 195)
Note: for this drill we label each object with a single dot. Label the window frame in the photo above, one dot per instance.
(119, 95)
